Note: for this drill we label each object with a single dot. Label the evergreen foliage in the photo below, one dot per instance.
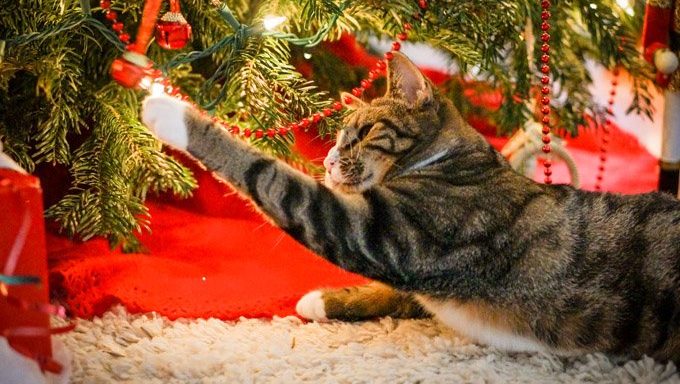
(58, 104)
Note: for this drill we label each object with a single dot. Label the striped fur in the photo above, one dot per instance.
(554, 267)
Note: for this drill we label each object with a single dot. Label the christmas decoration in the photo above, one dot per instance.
(528, 144)
(23, 275)
(58, 55)
(172, 30)
(545, 88)
(660, 41)
(606, 130)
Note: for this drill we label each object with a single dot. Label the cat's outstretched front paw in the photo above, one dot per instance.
(164, 116)
(312, 307)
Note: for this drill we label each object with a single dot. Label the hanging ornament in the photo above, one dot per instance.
(172, 30)
(131, 68)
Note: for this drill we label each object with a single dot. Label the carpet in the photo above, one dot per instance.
(125, 348)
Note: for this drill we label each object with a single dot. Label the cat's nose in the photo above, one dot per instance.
(332, 158)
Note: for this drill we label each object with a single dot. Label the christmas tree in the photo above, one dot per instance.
(60, 106)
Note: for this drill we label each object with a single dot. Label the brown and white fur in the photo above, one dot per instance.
(418, 201)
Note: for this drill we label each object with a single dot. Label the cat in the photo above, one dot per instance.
(419, 202)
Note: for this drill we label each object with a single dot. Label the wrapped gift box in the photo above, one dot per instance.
(22, 234)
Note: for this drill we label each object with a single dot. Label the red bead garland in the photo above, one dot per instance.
(545, 90)
(116, 25)
(606, 131)
(380, 67)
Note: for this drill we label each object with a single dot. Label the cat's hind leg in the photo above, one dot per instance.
(359, 303)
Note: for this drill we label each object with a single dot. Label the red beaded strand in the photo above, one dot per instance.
(545, 89)
(116, 25)
(606, 131)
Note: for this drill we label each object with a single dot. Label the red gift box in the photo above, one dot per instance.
(22, 253)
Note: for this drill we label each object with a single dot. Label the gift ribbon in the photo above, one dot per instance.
(7, 278)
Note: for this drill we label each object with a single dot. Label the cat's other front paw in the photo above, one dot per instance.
(312, 307)
(165, 117)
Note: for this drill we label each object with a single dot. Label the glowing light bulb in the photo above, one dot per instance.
(593, 6)
(307, 55)
(157, 89)
(626, 6)
(145, 83)
(270, 21)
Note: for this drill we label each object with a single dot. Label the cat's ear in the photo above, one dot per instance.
(405, 81)
(355, 102)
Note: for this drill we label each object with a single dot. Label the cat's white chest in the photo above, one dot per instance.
(475, 327)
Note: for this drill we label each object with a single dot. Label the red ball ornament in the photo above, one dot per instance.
(545, 91)
(381, 65)
(545, 48)
(327, 112)
(111, 15)
(407, 26)
(389, 55)
(304, 123)
(124, 37)
(545, 37)
(546, 130)
(247, 133)
(402, 36)
(422, 4)
(365, 83)
(271, 132)
(545, 69)
(357, 91)
(172, 30)
(545, 58)
(129, 69)
(546, 148)
(117, 26)
(396, 46)
(105, 4)
(259, 134)
(546, 139)
(283, 131)
(337, 106)
(545, 80)
(317, 117)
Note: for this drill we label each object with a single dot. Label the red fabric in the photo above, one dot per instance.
(251, 268)
(656, 29)
(19, 194)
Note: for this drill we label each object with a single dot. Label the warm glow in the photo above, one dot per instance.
(157, 89)
(270, 22)
(145, 83)
(626, 6)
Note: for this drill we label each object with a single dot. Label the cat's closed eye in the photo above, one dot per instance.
(364, 130)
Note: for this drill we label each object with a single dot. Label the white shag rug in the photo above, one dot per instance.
(125, 348)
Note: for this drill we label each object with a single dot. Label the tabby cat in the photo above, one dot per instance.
(418, 201)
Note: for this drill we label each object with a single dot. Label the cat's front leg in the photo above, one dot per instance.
(328, 222)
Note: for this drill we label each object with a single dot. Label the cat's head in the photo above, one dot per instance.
(377, 135)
